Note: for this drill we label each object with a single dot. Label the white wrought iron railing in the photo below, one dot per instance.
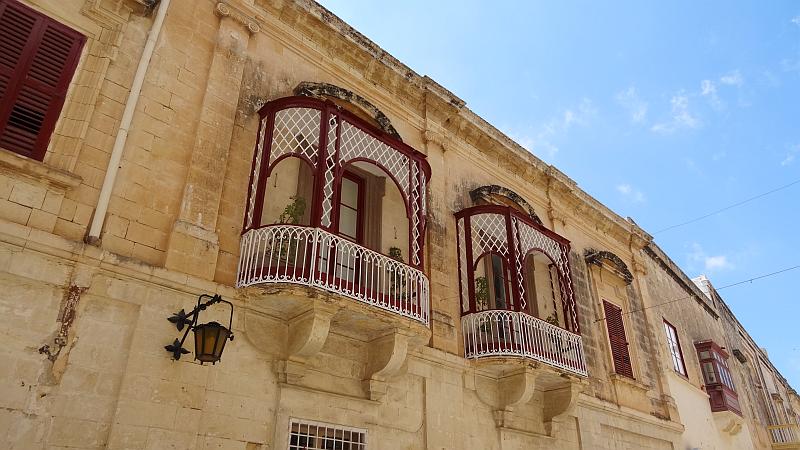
(313, 257)
(785, 436)
(511, 333)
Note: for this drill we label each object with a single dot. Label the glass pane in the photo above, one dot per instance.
(705, 355)
(349, 193)
(499, 282)
(708, 373)
(348, 222)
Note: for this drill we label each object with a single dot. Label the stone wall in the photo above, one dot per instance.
(85, 324)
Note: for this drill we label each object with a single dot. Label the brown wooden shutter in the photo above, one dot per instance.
(616, 335)
(37, 59)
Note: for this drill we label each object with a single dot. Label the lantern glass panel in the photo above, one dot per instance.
(209, 341)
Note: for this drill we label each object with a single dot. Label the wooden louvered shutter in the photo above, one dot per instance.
(37, 59)
(616, 335)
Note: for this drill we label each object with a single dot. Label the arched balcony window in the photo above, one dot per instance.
(516, 289)
(336, 203)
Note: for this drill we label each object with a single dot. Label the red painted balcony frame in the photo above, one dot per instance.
(722, 397)
(514, 259)
(329, 139)
(513, 235)
(329, 168)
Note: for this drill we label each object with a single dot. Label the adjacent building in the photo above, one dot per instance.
(402, 275)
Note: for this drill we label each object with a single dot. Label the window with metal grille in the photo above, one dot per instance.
(308, 435)
(37, 60)
(674, 347)
(617, 339)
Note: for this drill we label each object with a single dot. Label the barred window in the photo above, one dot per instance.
(308, 435)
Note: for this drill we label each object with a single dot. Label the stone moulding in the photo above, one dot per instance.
(597, 257)
(485, 192)
(321, 90)
(226, 10)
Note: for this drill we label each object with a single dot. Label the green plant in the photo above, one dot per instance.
(293, 212)
(482, 292)
(396, 254)
(552, 320)
(398, 283)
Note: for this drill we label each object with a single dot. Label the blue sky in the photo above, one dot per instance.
(662, 111)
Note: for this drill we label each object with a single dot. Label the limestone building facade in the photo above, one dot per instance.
(402, 274)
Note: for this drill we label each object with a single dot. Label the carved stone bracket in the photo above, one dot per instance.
(307, 333)
(728, 422)
(226, 10)
(387, 356)
(514, 385)
(559, 405)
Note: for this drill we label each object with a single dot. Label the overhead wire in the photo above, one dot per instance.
(749, 280)
(740, 203)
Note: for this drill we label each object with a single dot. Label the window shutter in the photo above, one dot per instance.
(616, 335)
(37, 59)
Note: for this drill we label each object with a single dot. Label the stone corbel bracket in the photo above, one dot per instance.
(512, 389)
(559, 405)
(516, 386)
(387, 356)
(307, 333)
(728, 422)
(226, 10)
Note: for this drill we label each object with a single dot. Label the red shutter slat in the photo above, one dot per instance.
(37, 60)
(618, 340)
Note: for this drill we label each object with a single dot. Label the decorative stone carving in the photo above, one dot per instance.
(307, 333)
(597, 257)
(485, 193)
(226, 10)
(321, 90)
(387, 355)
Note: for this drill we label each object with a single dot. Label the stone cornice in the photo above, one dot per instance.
(445, 115)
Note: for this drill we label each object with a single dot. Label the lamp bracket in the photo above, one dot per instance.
(188, 320)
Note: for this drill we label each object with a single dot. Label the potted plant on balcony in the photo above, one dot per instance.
(292, 215)
(397, 283)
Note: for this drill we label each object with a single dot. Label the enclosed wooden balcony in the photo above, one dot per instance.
(516, 289)
(337, 205)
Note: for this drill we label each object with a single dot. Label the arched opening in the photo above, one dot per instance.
(372, 210)
(492, 283)
(289, 193)
(542, 288)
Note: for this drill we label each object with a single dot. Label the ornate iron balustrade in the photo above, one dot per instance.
(329, 139)
(511, 333)
(503, 231)
(785, 436)
(313, 257)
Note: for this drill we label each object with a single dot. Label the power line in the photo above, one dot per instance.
(697, 219)
(750, 280)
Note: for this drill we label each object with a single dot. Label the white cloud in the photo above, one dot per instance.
(733, 78)
(708, 89)
(796, 20)
(681, 116)
(630, 193)
(636, 107)
(791, 155)
(717, 262)
(541, 139)
(709, 263)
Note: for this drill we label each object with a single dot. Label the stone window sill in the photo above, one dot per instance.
(617, 378)
(37, 170)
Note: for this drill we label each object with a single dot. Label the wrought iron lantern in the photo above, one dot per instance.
(209, 338)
